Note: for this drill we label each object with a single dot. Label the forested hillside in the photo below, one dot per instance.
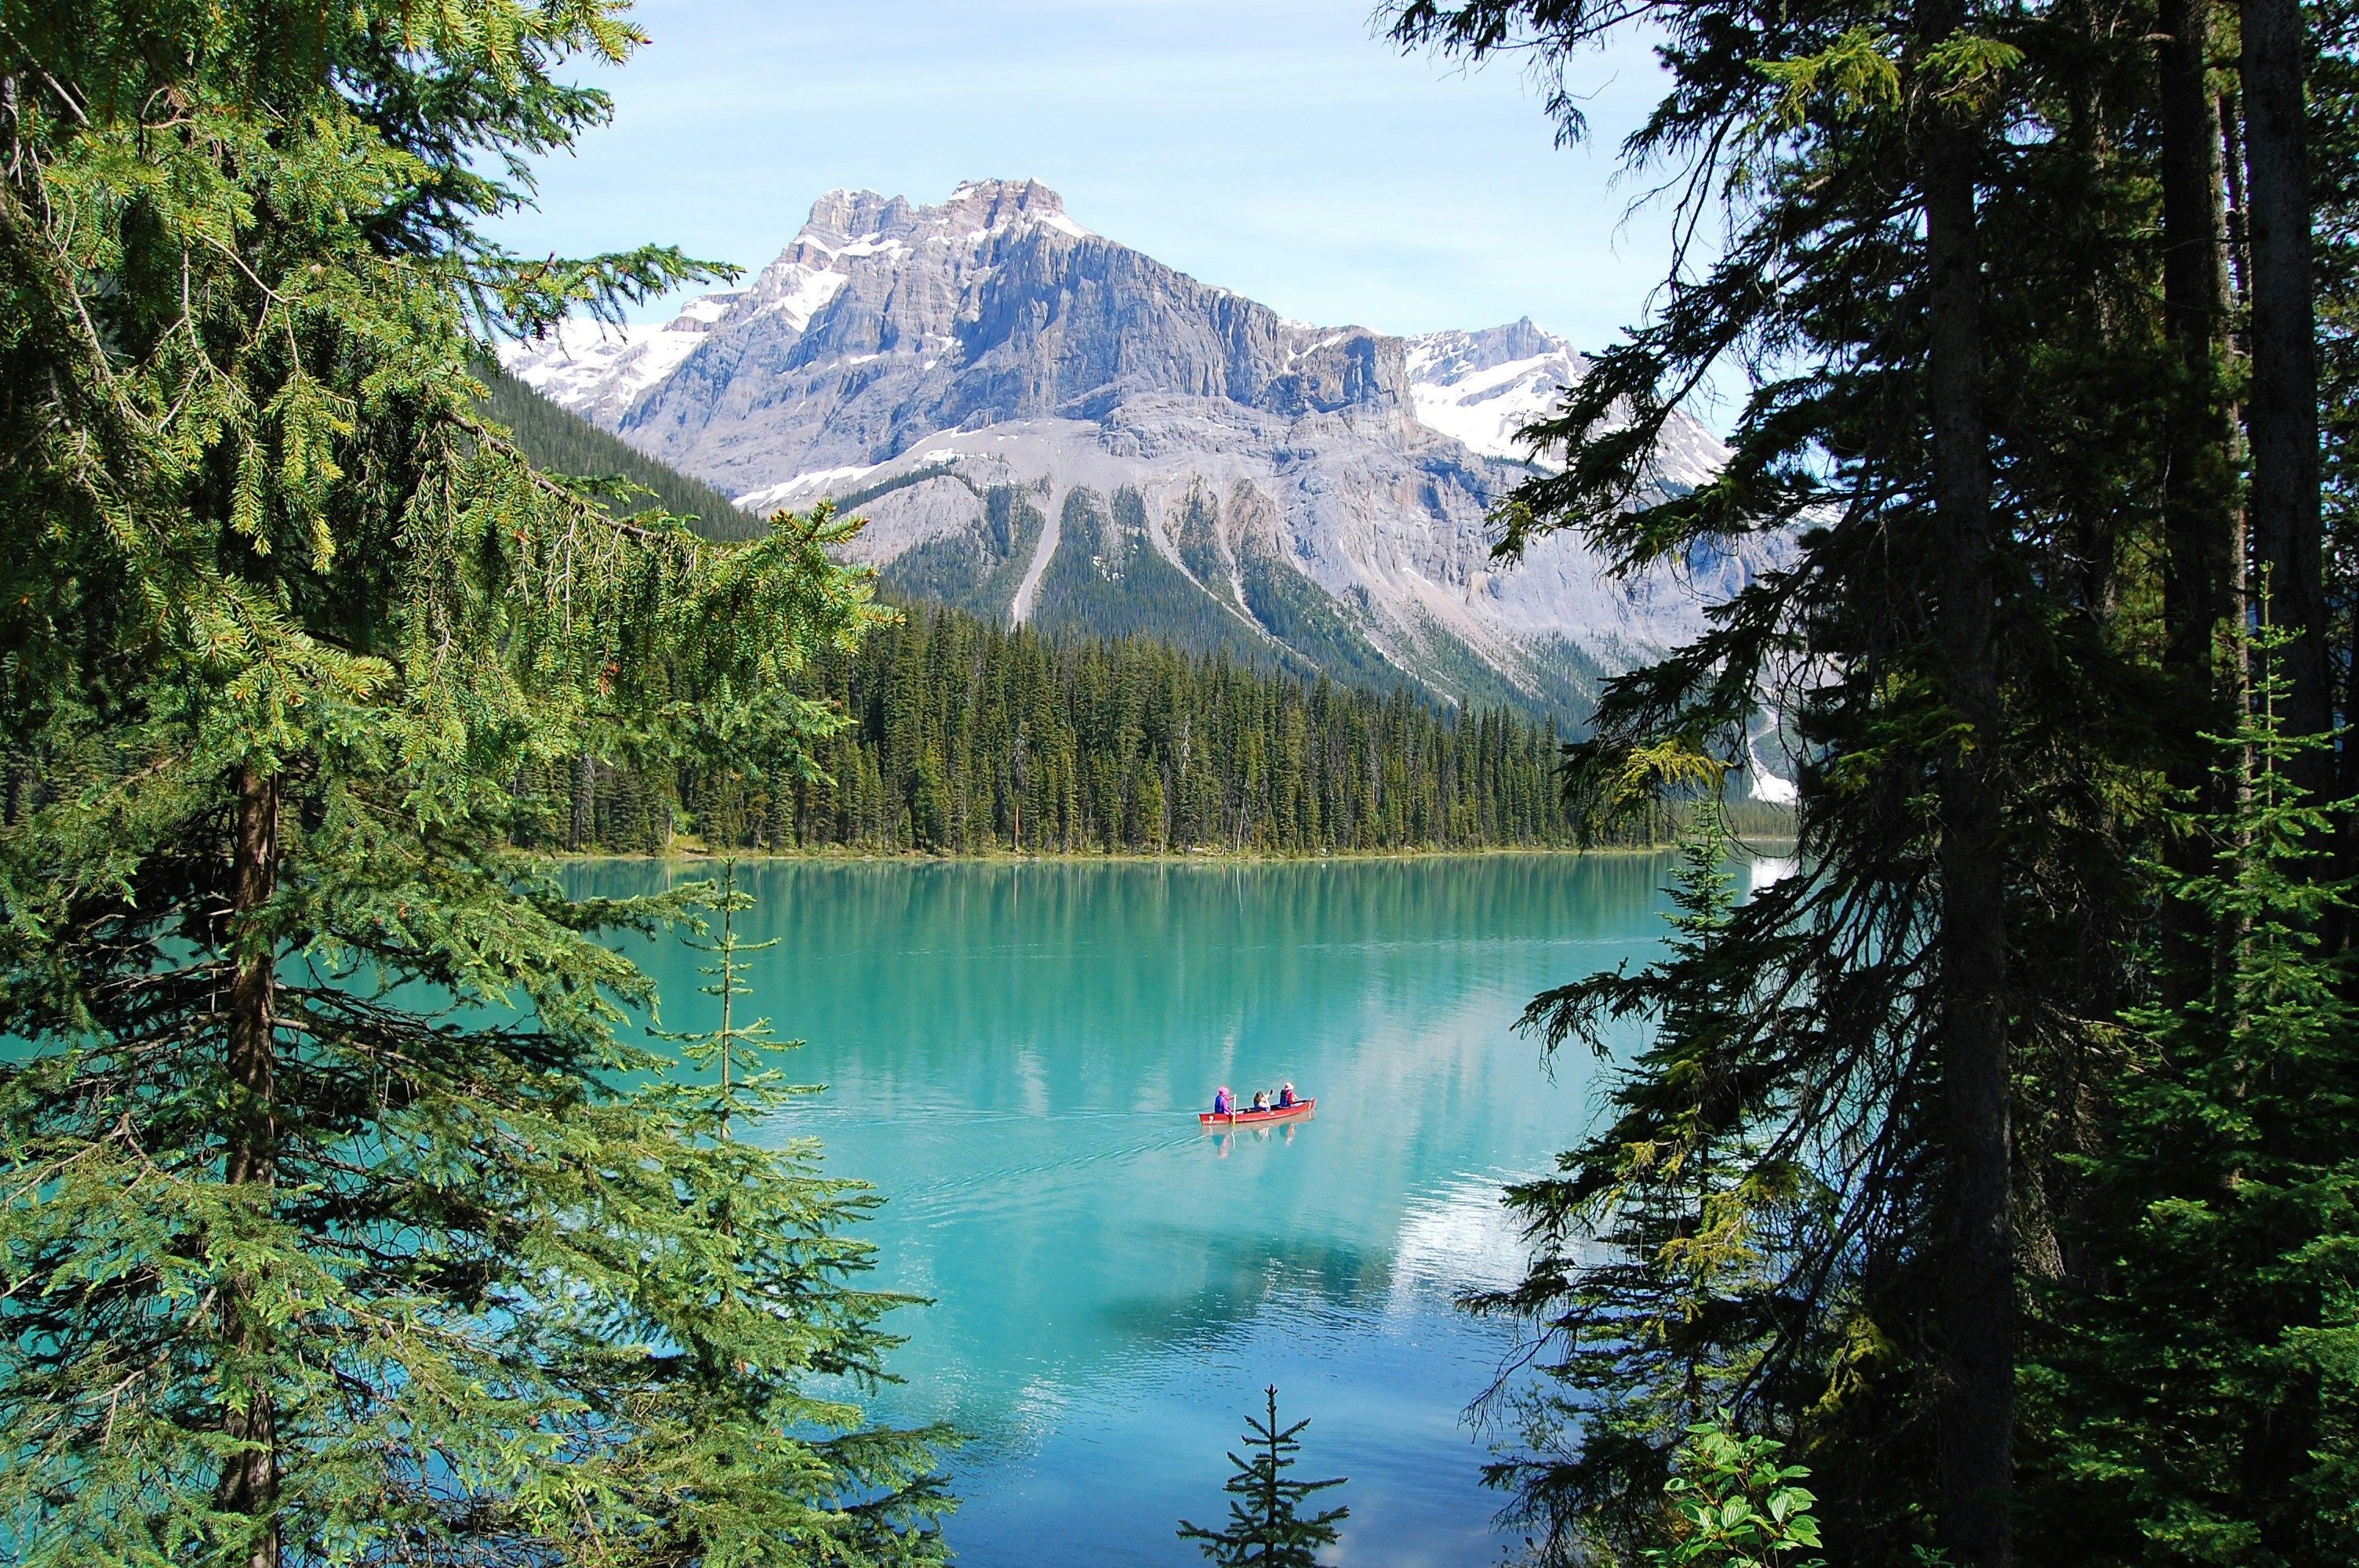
(1108, 580)
(965, 738)
(565, 443)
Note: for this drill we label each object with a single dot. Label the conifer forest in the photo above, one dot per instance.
(960, 732)
(1976, 1185)
(965, 738)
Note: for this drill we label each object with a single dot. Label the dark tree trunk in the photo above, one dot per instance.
(249, 1482)
(2199, 499)
(2346, 784)
(2286, 533)
(2232, 158)
(1976, 1418)
(2202, 569)
(2283, 411)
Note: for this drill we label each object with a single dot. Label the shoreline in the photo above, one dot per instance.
(698, 853)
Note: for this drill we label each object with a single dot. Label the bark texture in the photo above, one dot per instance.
(2282, 414)
(2200, 510)
(1976, 1418)
(2203, 521)
(249, 1482)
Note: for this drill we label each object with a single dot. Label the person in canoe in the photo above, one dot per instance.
(1286, 1097)
(1261, 1099)
(1224, 1103)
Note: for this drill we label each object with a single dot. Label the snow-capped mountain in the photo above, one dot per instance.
(1043, 424)
(1485, 387)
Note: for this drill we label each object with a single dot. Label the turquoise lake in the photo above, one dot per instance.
(1014, 1054)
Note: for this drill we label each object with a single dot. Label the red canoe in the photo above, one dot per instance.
(1255, 1117)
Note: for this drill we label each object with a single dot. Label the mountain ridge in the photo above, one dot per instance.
(1199, 466)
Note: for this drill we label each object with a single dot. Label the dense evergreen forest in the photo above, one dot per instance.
(563, 442)
(965, 738)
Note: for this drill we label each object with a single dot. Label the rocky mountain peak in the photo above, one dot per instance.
(984, 205)
(1040, 422)
(864, 223)
(1452, 356)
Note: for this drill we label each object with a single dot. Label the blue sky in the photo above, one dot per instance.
(1280, 148)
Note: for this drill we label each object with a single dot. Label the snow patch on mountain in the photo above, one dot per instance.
(1484, 388)
(598, 369)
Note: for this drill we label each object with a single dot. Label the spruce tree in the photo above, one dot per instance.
(1945, 470)
(339, 1225)
(2199, 1392)
(780, 1288)
(1267, 1528)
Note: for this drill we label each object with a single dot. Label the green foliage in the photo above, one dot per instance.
(338, 1225)
(1106, 576)
(1733, 1505)
(968, 739)
(1823, 1052)
(730, 1050)
(979, 573)
(1662, 1242)
(2201, 1391)
(1295, 611)
(560, 442)
(1267, 1528)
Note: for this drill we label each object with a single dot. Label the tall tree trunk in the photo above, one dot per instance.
(2283, 414)
(2232, 158)
(249, 1482)
(2203, 527)
(2199, 500)
(2287, 532)
(1976, 1420)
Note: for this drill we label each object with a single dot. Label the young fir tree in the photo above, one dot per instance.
(2199, 1394)
(1656, 1271)
(1267, 1528)
(338, 1226)
(732, 1051)
(742, 1496)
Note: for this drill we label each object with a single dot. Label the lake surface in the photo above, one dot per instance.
(1016, 1054)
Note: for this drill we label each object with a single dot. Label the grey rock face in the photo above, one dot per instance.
(1315, 495)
